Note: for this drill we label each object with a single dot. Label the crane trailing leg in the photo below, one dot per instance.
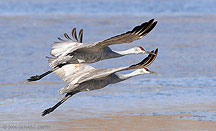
(38, 77)
(67, 96)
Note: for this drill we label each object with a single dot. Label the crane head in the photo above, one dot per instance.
(146, 70)
(141, 50)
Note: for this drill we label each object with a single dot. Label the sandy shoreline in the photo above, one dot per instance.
(135, 123)
(115, 123)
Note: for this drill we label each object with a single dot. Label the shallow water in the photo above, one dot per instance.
(106, 7)
(186, 61)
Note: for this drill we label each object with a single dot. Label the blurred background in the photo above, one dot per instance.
(185, 35)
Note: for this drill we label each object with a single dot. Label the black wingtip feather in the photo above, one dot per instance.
(81, 35)
(147, 61)
(150, 21)
(144, 28)
(140, 27)
(153, 58)
(149, 29)
(67, 36)
(74, 35)
(60, 39)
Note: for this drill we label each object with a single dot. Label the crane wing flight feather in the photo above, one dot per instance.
(74, 35)
(60, 40)
(147, 61)
(67, 36)
(136, 33)
(70, 72)
(80, 36)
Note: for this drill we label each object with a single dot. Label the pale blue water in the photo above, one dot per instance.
(106, 7)
(185, 35)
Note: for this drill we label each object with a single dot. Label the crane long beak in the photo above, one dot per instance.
(148, 52)
(155, 73)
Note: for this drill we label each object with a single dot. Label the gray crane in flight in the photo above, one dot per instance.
(75, 52)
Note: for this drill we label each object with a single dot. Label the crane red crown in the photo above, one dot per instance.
(146, 69)
(141, 47)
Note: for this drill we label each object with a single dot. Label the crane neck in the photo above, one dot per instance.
(126, 52)
(132, 74)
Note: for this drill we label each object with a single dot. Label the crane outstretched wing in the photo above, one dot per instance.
(70, 72)
(136, 33)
